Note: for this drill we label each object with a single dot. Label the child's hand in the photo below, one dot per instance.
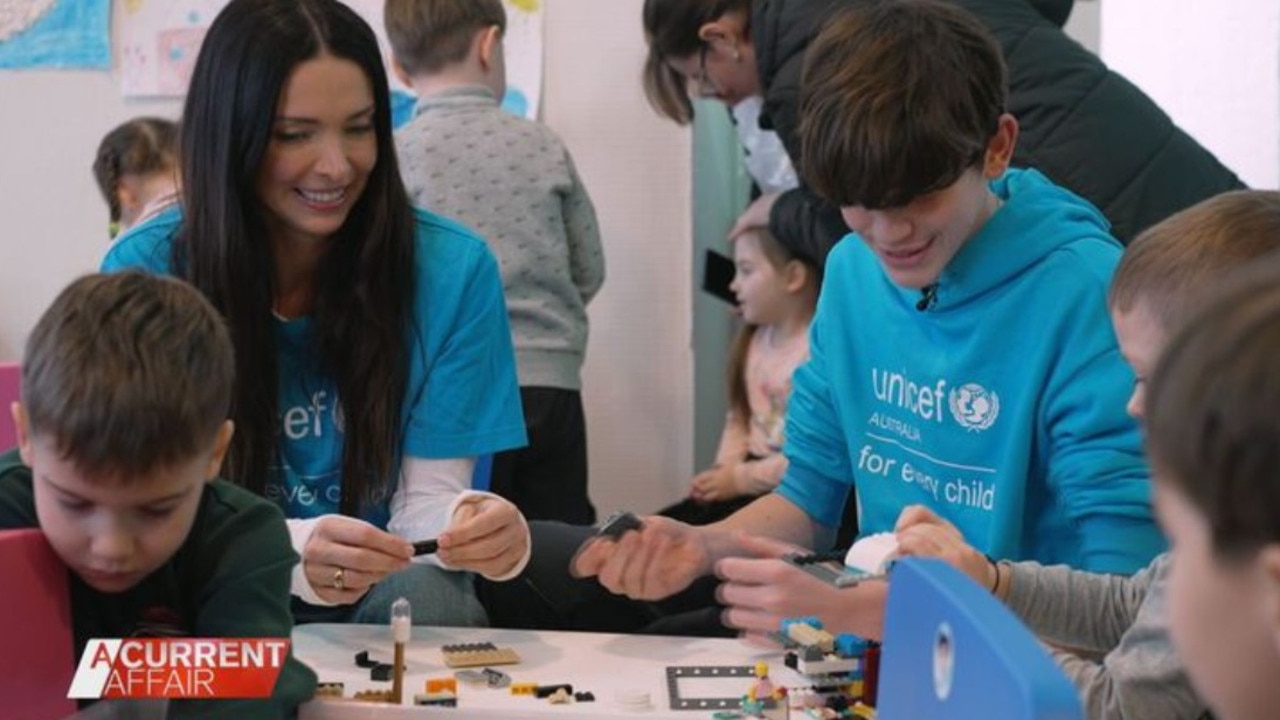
(487, 535)
(714, 484)
(923, 533)
(346, 556)
(660, 559)
(761, 591)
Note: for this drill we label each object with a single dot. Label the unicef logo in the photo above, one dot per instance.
(974, 406)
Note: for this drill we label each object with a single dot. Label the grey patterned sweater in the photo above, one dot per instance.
(1123, 620)
(513, 182)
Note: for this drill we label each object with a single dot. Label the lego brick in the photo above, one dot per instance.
(560, 697)
(619, 523)
(436, 685)
(828, 665)
(478, 654)
(836, 575)
(496, 678)
(807, 635)
(443, 699)
(676, 672)
(384, 696)
(544, 691)
(475, 677)
(330, 689)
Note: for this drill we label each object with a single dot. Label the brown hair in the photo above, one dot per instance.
(671, 29)
(1213, 412)
(140, 146)
(1169, 264)
(128, 373)
(897, 100)
(429, 35)
(778, 256)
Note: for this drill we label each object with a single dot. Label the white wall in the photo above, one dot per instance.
(638, 378)
(1213, 66)
(1083, 25)
(637, 168)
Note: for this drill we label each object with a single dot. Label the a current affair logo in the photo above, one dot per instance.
(179, 668)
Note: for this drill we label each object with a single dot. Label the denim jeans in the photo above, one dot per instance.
(436, 597)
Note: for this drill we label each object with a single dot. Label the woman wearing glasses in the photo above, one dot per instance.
(1085, 127)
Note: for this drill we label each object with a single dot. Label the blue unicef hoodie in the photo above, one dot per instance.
(1000, 404)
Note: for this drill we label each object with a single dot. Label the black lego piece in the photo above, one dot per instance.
(380, 672)
(617, 524)
(426, 547)
(546, 691)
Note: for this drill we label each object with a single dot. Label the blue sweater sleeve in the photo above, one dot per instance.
(1097, 468)
(818, 476)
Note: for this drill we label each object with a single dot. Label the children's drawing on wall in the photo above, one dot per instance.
(55, 34)
(159, 40)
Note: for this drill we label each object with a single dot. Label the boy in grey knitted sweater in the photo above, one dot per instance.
(1123, 620)
(513, 181)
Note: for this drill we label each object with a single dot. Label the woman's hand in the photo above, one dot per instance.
(487, 535)
(346, 556)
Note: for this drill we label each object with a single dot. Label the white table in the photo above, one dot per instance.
(603, 664)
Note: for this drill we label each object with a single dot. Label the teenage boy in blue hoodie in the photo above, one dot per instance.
(961, 355)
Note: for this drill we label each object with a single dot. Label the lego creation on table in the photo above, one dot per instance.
(597, 675)
(951, 651)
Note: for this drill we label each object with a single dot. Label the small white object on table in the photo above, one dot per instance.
(614, 668)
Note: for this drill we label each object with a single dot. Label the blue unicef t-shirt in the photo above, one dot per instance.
(462, 397)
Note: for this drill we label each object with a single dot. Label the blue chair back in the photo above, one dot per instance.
(951, 650)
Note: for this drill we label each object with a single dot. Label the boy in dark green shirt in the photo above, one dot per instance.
(122, 429)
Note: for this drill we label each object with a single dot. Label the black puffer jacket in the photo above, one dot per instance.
(1084, 126)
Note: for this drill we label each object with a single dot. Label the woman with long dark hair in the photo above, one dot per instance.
(373, 356)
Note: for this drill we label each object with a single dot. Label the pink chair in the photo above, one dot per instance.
(37, 664)
(10, 383)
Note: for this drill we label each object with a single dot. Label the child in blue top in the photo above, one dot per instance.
(961, 355)
(374, 360)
